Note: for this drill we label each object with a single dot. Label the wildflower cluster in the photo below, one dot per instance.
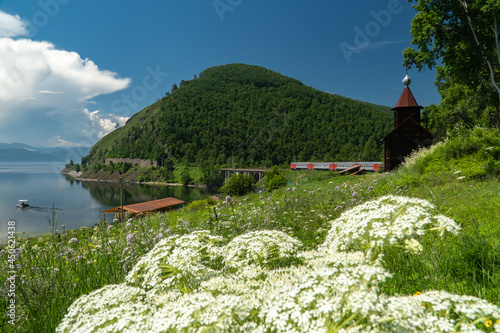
(386, 221)
(264, 281)
(260, 247)
(176, 261)
(434, 311)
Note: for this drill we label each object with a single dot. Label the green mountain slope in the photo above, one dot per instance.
(245, 115)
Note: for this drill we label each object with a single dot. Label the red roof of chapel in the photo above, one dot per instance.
(406, 100)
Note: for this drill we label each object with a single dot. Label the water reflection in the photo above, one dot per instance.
(108, 193)
(76, 203)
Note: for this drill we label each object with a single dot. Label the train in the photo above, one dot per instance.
(336, 166)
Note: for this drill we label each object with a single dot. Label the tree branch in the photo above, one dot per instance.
(478, 43)
(497, 40)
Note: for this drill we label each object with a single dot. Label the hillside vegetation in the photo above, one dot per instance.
(314, 246)
(241, 115)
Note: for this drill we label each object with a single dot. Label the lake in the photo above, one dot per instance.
(76, 203)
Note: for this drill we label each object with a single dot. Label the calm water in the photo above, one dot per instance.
(77, 203)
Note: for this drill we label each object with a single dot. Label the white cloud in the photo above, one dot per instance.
(12, 25)
(43, 91)
(31, 70)
(64, 143)
(104, 123)
(49, 92)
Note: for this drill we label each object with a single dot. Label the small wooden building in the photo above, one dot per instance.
(408, 135)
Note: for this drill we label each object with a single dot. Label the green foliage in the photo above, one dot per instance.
(186, 178)
(125, 167)
(156, 174)
(210, 173)
(239, 115)
(467, 154)
(201, 204)
(461, 106)
(274, 179)
(238, 185)
(73, 166)
(463, 36)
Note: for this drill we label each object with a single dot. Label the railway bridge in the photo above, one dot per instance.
(342, 167)
(257, 173)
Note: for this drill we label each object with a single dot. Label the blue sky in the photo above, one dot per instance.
(71, 70)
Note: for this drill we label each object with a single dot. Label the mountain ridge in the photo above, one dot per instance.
(21, 152)
(245, 115)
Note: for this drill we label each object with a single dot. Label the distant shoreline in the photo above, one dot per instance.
(141, 183)
(77, 175)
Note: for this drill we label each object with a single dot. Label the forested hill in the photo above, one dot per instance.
(241, 115)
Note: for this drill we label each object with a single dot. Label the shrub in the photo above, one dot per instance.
(124, 167)
(186, 178)
(473, 155)
(166, 174)
(275, 178)
(238, 185)
(201, 204)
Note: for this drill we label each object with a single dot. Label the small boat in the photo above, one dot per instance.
(22, 204)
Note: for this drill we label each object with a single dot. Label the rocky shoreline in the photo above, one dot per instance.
(107, 177)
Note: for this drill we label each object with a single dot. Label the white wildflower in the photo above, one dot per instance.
(260, 247)
(433, 311)
(176, 261)
(447, 224)
(193, 283)
(384, 221)
(114, 308)
(413, 246)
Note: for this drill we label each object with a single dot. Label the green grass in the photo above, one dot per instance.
(52, 272)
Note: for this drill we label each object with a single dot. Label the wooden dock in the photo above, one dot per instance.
(148, 206)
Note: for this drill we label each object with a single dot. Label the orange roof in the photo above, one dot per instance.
(406, 100)
(148, 206)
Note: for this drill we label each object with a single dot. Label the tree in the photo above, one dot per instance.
(238, 185)
(186, 178)
(460, 105)
(210, 172)
(465, 36)
(274, 179)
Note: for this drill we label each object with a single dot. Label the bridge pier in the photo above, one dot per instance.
(257, 174)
